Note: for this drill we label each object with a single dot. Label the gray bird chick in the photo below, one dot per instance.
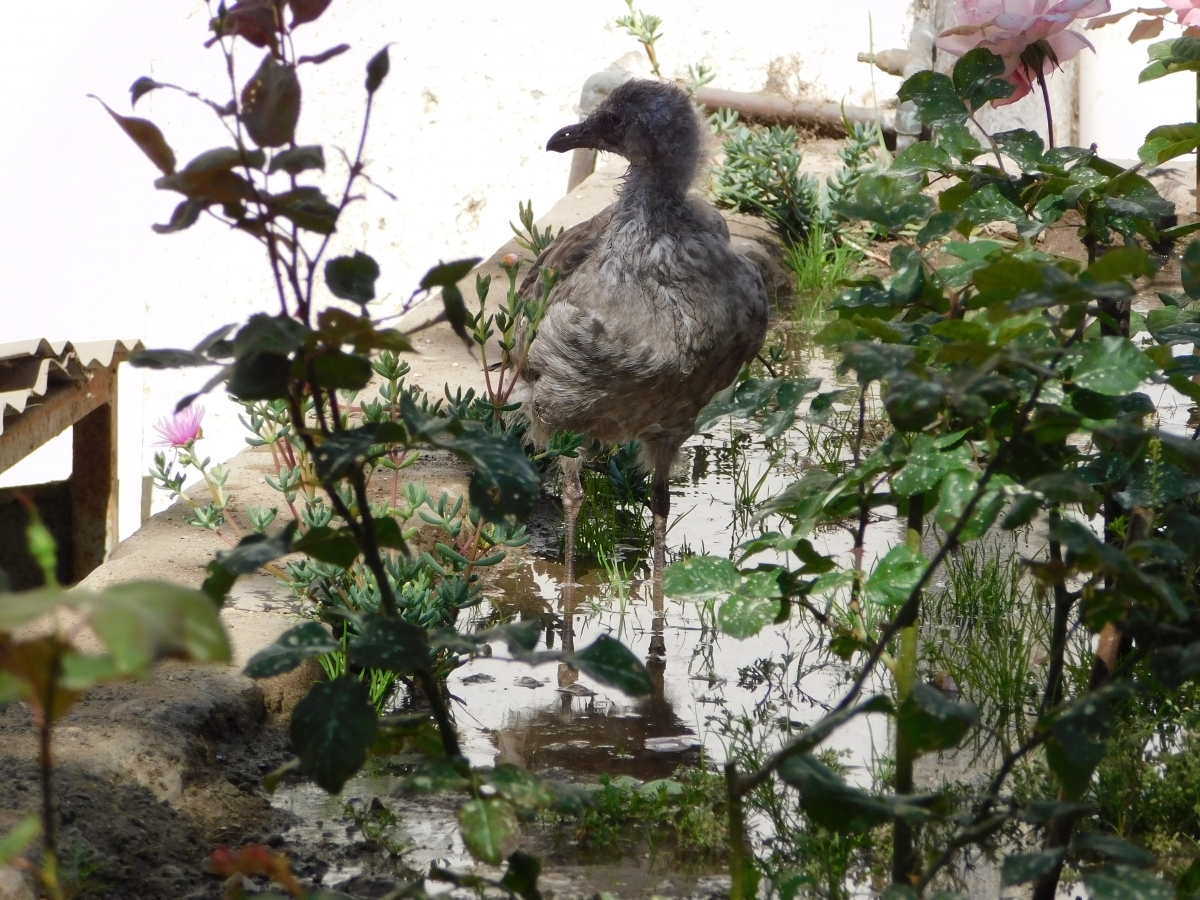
(653, 311)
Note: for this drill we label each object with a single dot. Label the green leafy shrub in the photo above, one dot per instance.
(761, 176)
(682, 813)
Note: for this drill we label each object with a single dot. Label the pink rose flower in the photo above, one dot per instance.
(1009, 28)
(181, 429)
(1186, 11)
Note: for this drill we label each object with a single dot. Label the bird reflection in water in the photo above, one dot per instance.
(582, 732)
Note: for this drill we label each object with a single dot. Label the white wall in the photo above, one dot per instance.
(1115, 112)
(475, 89)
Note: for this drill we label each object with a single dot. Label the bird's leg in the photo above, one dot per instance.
(572, 500)
(660, 506)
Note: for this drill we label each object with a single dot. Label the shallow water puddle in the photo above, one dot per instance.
(556, 722)
(562, 722)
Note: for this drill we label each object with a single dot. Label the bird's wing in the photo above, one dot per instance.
(568, 252)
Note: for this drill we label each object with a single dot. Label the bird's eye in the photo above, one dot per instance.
(609, 122)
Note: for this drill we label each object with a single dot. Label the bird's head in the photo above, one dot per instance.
(651, 123)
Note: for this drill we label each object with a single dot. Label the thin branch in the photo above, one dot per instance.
(355, 171)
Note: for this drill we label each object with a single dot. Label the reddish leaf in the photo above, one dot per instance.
(271, 103)
(256, 859)
(147, 136)
(377, 70)
(210, 185)
(308, 208)
(325, 55)
(35, 662)
(1146, 29)
(140, 88)
(184, 216)
(1101, 21)
(307, 10)
(225, 158)
(255, 21)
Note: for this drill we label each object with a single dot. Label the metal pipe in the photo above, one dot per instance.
(769, 109)
(766, 109)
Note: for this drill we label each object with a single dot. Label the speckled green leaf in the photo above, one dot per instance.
(700, 578)
(895, 576)
(612, 663)
(290, 649)
(332, 727)
(829, 801)
(743, 616)
(1025, 867)
(1127, 883)
(930, 721)
(489, 829)
(1112, 365)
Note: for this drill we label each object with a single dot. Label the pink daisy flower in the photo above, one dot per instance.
(180, 429)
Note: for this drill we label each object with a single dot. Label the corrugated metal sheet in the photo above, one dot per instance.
(29, 370)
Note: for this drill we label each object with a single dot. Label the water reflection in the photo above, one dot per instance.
(569, 724)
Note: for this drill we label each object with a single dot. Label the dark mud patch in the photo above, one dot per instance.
(148, 779)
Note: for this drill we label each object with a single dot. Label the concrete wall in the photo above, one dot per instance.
(475, 89)
(1115, 112)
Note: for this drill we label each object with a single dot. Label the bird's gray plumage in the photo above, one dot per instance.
(653, 311)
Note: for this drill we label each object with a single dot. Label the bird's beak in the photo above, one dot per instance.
(571, 138)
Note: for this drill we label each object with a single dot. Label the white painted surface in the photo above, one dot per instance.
(1115, 112)
(475, 89)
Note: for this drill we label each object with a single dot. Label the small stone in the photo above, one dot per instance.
(478, 678)
(526, 682)
(674, 744)
(945, 683)
(274, 840)
(377, 805)
(13, 885)
(238, 882)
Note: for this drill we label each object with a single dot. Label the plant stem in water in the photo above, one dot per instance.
(904, 838)
(742, 885)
